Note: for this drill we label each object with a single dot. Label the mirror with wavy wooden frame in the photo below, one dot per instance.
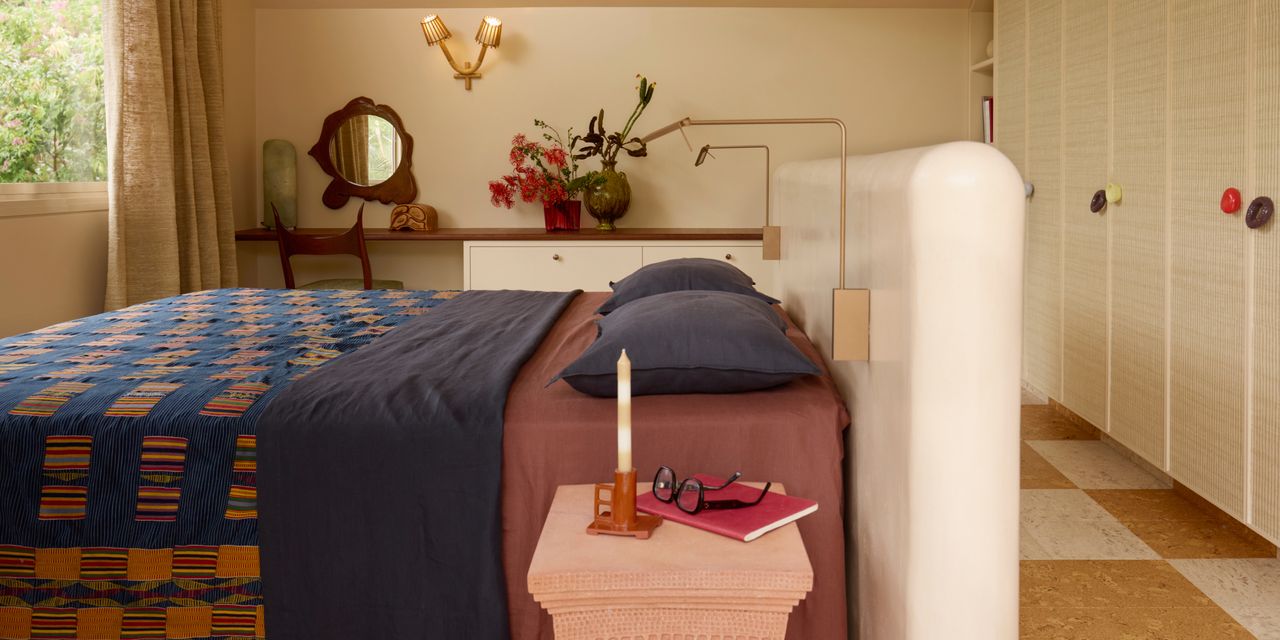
(366, 151)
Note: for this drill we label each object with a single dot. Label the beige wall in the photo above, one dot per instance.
(896, 76)
(243, 149)
(54, 266)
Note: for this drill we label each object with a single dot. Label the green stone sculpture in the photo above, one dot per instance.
(279, 183)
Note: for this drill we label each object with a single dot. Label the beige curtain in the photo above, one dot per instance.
(171, 228)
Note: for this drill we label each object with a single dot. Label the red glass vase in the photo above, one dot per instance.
(566, 216)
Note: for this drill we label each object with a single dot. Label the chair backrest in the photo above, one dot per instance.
(351, 242)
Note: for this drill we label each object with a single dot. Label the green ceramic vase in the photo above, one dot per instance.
(608, 201)
(279, 183)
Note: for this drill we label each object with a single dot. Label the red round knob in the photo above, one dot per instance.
(1231, 200)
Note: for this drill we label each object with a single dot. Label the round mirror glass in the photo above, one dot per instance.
(365, 150)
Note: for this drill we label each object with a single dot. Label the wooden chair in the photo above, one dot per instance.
(351, 243)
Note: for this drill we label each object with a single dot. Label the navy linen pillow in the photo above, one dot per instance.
(683, 274)
(690, 342)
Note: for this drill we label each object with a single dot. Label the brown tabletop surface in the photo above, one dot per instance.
(677, 556)
(526, 233)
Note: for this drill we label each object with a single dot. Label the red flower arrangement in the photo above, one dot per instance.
(545, 172)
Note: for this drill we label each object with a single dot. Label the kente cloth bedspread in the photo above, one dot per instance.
(381, 479)
(128, 456)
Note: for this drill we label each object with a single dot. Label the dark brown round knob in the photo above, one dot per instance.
(1260, 212)
(1099, 201)
(728, 256)
(555, 257)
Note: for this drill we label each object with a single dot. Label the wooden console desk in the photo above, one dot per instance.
(520, 233)
(535, 259)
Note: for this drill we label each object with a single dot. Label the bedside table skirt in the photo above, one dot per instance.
(556, 436)
(663, 624)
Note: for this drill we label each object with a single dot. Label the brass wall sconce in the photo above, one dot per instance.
(488, 36)
(851, 308)
(772, 244)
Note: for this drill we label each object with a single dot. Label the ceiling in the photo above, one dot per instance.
(446, 4)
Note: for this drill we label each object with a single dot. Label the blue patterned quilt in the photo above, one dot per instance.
(128, 455)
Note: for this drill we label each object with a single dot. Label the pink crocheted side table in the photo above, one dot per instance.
(681, 583)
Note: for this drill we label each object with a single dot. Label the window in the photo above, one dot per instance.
(52, 114)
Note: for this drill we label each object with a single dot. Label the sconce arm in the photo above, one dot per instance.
(448, 56)
(479, 60)
(469, 69)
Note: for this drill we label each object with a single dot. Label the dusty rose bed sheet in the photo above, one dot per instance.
(555, 435)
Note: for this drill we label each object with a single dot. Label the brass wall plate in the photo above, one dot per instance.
(772, 243)
(851, 325)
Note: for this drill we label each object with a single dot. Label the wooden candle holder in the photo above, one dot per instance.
(621, 518)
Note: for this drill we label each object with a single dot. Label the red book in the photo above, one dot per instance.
(744, 524)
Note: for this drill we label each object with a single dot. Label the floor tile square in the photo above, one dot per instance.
(1262, 622)
(1037, 473)
(1095, 465)
(1194, 623)
(1028, 548)
(1178, 528)
(1107, 583)
(1248, 589)
(1129, 505)
(1066, 524)
(1199, 539)
(1043, 422)
(1118, 599)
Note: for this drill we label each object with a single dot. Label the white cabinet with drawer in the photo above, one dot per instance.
(590, 265)
(543, 266)
(744, 256)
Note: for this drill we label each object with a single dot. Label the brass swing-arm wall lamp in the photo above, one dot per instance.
(488, 36)
(851, 308)
(772, 235)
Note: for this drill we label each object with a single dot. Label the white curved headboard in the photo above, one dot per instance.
(936, 234)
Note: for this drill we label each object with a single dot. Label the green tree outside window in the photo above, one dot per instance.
(52, 115)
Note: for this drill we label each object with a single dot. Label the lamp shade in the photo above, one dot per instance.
(490, 32)
(434, 30)
(702, 155)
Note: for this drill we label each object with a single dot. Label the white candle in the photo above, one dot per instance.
(624, 412)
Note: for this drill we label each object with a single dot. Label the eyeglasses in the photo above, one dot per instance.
(690, 494)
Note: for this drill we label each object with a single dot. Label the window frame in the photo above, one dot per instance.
(19, 199)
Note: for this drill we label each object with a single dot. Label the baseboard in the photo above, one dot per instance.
(1029, 391)
(1181, 489)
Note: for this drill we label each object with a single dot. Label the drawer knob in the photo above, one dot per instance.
(1231, 200)
(1114, 192)
(728, 256)
(555, 257)
(1260, 212)
(1099, 201)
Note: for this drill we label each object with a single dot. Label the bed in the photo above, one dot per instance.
(131, 462)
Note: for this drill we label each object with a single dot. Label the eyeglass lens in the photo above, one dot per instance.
(690, 495)
(664, 484)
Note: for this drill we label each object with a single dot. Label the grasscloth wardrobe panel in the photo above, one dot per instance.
(1208, 86)
(1139, 231)
(1042, 290)
(1184, 96)
(1084, 261)
(1011, 81)
(1266, 309)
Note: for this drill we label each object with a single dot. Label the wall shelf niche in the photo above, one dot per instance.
(981, 63)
